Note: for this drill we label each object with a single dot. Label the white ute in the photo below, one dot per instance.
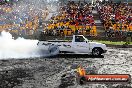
(78, 45)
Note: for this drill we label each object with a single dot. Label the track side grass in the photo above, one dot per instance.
(112, 43)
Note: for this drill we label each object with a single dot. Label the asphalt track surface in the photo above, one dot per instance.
(48, 72)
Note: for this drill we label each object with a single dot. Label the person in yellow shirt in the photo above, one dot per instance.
(118, 26)
(114, 27)
(94, 27)
(0, 27)
(49, 26)
(67, 23)
(87, 27)
(130, 27)
(61, 23)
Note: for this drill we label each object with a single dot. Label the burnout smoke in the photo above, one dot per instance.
(19, 48)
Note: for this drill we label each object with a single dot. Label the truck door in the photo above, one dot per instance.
(80, 45)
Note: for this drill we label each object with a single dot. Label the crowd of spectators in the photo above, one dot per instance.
(116, 18)
(5, 9)
(75, 17)
(20, 20)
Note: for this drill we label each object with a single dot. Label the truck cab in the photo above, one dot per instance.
(80, 44)
(83, 45)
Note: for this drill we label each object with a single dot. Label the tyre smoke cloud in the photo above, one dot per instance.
(19, 48)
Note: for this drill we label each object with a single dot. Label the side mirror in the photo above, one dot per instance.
(86, 41)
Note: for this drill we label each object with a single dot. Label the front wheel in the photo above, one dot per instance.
(96, 52)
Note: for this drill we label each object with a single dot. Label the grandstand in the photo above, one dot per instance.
(74, 18)
(21, 18)
(94, 22)
(94, 18)
(116, 18)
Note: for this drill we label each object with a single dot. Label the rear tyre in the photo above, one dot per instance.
(96, 52)
(53, 49)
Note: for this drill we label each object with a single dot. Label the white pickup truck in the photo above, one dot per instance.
(78, 45)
